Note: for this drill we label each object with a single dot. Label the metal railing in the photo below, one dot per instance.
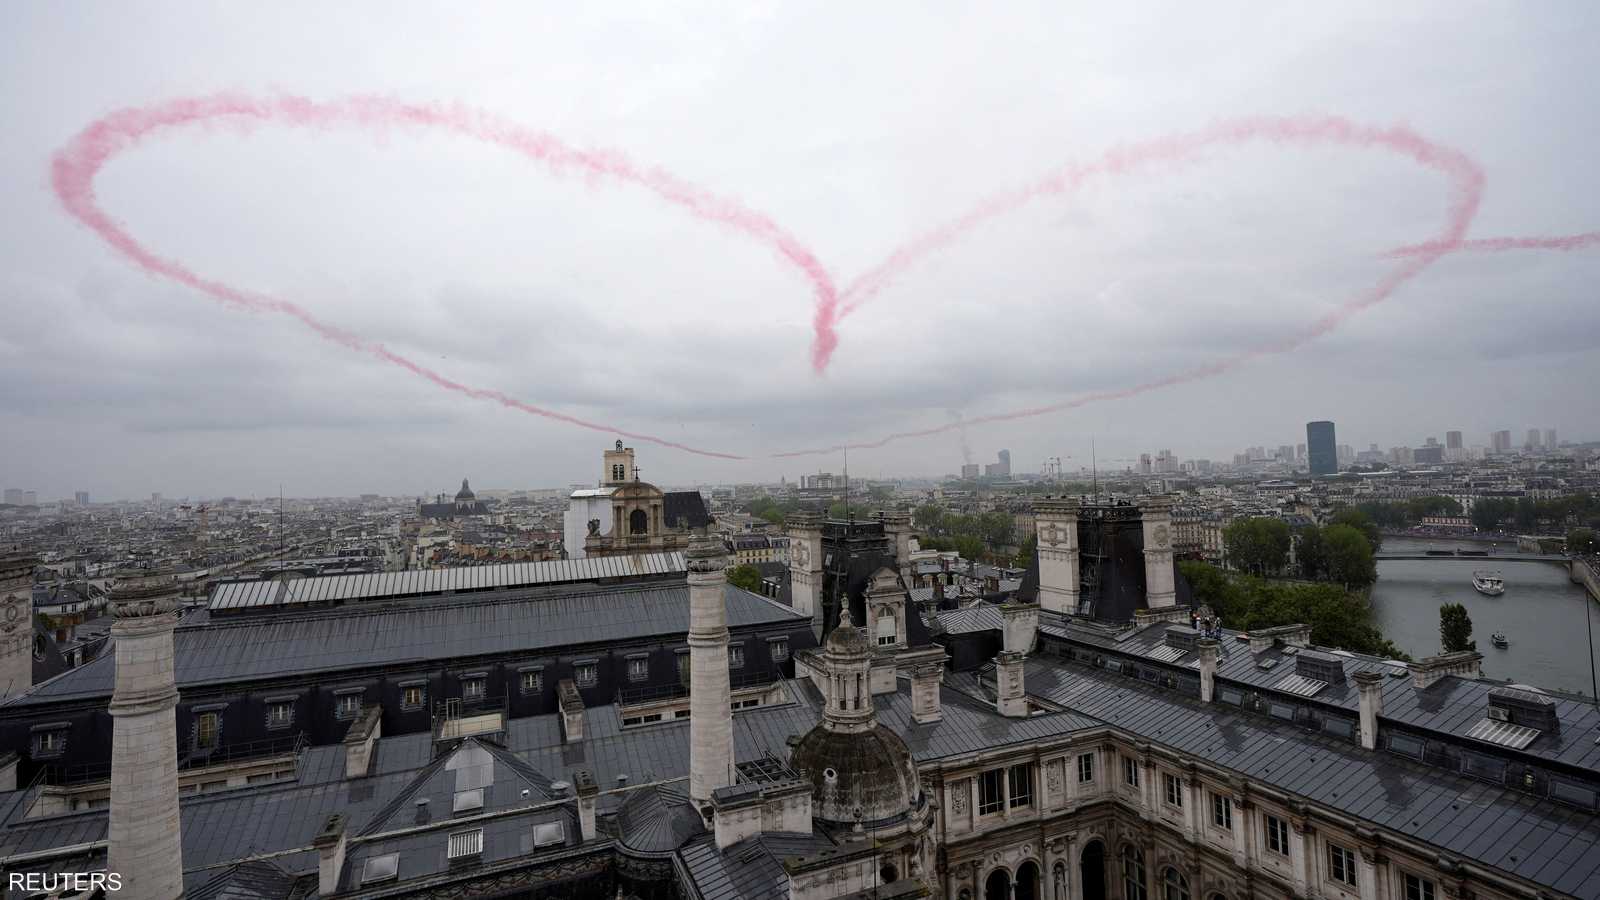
(266, 748)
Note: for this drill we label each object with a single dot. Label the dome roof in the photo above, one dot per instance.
(846, 639)
(867, 771)
(465, 493)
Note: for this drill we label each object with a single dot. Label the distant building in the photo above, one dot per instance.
(30, 498)
(1431, 454)
(81, 498)
(465, 504)
(822, 481)
(1001, 469)
(1500, 442)
(969, 471)
(1452, 440)
(625, 516)
(1550, 439)
(1535, 441)
(1322, 452)
(14, 496)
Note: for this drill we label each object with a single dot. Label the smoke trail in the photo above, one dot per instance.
(1502, 244)
(75, 166)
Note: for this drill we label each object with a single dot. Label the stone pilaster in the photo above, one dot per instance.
(16, 622)
(710, 704)
(1010, 697)
(805, 567)
(144, 839)
(1159, 581)
(1056, 525)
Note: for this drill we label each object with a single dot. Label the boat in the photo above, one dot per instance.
(1490, 583)
(1499, 640)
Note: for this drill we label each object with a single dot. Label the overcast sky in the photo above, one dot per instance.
(855, 127)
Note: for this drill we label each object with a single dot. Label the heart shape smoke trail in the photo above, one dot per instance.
(75, 166)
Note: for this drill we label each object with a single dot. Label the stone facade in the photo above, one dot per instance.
(16, 623)
(710, 713)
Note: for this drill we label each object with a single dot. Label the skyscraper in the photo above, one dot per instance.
(1452, 440)
(1549, 438)
(1500, 441)
(1534, 442)
(1322, 451)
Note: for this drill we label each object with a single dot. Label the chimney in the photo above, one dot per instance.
(1010, 699)
(330, 844)
(897, 526)
(1159, 580)
(16, 606)
(710, 703)
(1021, 627)
(588, 795)
(1056, 526)
(143, 837)
(938, 592)
(571, 703)
(1427, 671)
(1207, 649)
(805, 567)
(359, 741)
(925, 681)
(1370, 686)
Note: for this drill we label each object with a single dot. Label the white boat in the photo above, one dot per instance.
(1490, 583)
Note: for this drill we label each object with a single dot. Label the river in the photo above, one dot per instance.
(1542, 613)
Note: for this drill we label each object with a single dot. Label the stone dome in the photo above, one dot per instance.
(871, 771)
(465, 494)
(846, 639)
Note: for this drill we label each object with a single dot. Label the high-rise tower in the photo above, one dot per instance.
(1322, 451)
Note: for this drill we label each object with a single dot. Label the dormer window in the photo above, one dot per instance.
(207, 730)
(50, 740)
(347, 703)
(887, 633)
(474, 687)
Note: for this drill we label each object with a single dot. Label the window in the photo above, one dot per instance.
(1277, 835)
(1130, 771)
(1085, 768)
(207, 727)
(1174, 786)
(887, 634)
(586, 674)
(618, 473)
(347, 706)
(411, 696)
(1341, 864)
(1281, 711)
(683, 667)
(735, 656)
(1222, 812)
(991, 792)
(638, 668)
(1231, 695)
(778, 649)
(1021, 785)
(1173, 885)
(1572, 792)
(531, 680)
(1405, 745)
(1417, 888)
(473, 688)
(49, 742)
(638, 522)
(1133, 874)
(280, 713)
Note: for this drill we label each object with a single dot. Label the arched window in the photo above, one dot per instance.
(1173, 885)
(887, 629)
(1133, 874)
(617, 473)
(638, 522)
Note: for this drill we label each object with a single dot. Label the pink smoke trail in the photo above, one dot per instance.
(1502, 244)
(75, 167)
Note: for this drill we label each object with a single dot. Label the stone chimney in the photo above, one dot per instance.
(572, 709)
(1427, 671)
(144, 842)
(1010, 698)
(588, 798)
(1159, 580)
(1020, 629)
(710, 703)
(359, 741)
(1056, 526)
(805, 567)
(925, 681)
(16, 622)
(330, 844)
(1207, 649)
(1370, 686)
(897, 525)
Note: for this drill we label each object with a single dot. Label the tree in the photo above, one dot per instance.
(1349, 556)
(745, 576)
(1257, 544)
(1580, 540)
(1357, 518)
(1030, 546)
(1455, 628)
(928, 518)
(1311, 552)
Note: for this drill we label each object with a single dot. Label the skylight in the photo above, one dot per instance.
(380, 868)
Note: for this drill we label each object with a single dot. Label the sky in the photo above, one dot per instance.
(847, 132)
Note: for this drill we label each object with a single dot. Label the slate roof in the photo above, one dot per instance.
(274, 647)
(751, 869)
(684, 509)
(1541, 840)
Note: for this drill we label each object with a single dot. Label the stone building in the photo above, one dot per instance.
(625, 515)
(465, 504)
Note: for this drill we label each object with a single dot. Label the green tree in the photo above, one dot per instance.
(745, 576)
(929, 518)
(1356, 517)
(1580, 540)
(1455, 628)
(1257, 544)
(1311, 552)
(1030, 547)
(1349, 556)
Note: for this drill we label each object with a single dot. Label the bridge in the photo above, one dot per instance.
(1468, 557)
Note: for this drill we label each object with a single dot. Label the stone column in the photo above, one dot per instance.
(144, 840)
(1367, 873)
(1303, 832)
(1159, 582)
(1010, 697)
(1056, 526)
(1370, 686)
(710, 703)
(16, 622)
